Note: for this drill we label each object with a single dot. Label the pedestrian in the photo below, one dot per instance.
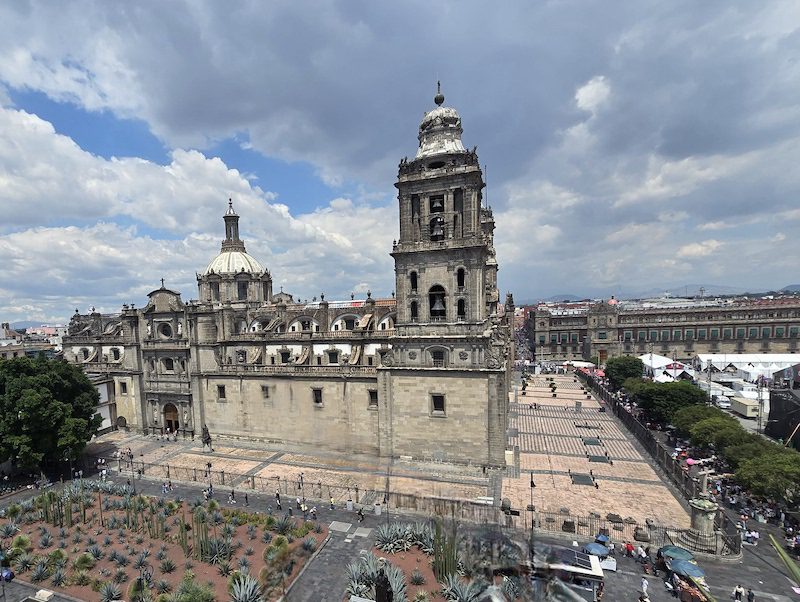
(169, 485)
(645, 585)
(231, 500)
(738, 592)
(278, 503)
(361, 516)
(332, 506)
(750, 595)
(298, 502)
(233, 496)
(314, 514)
(246, 501)
(277, 496)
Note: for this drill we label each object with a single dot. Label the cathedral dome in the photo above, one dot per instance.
(233, 257)
(233, 262)
(440, 131)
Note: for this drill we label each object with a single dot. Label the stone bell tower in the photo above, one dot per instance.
(444, 261)
(448, 394)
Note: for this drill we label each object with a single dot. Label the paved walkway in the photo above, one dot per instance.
(582, 459)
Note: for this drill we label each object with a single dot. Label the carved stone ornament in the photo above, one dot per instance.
(412, 355)
(493, 361)
(463, 355)
(387, 359)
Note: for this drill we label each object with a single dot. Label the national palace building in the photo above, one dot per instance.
(678, 328)
(424, 374)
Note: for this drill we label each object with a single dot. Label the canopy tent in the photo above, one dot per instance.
(686, 568)
(596, 549)
(753, 364)
(676, 552)
(653, 361)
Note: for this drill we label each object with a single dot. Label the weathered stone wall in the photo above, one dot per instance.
(343, 422)
(460, 435)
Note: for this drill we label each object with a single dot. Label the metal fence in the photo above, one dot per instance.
(690, 487)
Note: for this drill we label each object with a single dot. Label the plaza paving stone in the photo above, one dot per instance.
(551, 443)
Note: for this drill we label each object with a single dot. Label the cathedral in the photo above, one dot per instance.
(422, 375)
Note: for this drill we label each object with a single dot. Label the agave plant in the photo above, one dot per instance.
(163, 586)
(167, 566)
(8, 530)
(244, 563)
(309, 544)
(46, 541)
(252, 532)
(455, 590)
(246, 589)
(417, 578)
(109, 592)
(266, 537)
(141, 560)
(97, 552)
(59, 578)
(398, 582)
(40, 572)
(284, 525)
(120, 575)
(224, 568)
(81, 578)
(121, 560)
(219, 550)
(24, 562)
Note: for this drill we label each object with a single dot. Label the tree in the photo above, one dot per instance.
(47, 411)
(774, 474)
(750, 446)
(662, 400)
(620, 368)
(703, 432)
(685, 418)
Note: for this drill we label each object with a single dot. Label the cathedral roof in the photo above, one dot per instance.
(233, 262)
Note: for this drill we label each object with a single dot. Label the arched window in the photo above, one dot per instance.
(169, 364)
(462, 309)
(460, 277)
(413, 278)
(115, 353)
(214, 291)
(436, 300)
(414, 311)
(85, 353)
(241, 289)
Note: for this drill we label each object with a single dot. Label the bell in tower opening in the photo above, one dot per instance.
(437, 228)
(438, 308)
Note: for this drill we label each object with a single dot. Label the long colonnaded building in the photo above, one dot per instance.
(679, 328)
(424, 374)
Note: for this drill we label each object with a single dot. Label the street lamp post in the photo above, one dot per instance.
(533, 508)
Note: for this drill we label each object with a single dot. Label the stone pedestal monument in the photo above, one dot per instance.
(701, 536)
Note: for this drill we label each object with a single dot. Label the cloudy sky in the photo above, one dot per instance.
(629, 145)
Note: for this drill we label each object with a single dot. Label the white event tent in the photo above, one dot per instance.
(750, 366)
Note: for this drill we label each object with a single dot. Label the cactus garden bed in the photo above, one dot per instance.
(95, 541)
(427, 561)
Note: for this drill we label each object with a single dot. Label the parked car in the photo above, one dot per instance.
(723, 402)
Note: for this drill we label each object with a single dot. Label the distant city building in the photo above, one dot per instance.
(675, 328)
(421, 375)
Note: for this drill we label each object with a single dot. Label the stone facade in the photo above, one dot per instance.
(679, 329)
(367, 376)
